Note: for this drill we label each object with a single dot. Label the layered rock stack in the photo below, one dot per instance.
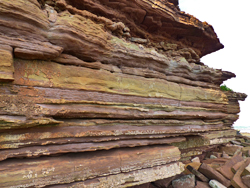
(101, 93)
(227, 166)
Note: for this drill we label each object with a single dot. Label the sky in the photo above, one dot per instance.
(230, 20)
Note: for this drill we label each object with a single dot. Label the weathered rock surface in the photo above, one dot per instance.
(246, 180)
(213, 174)
(219, 168)
(107, 93)
(237, 181)
(216, 184)
(199, 175)
(187, 181)
(226, 168)
(200, 184)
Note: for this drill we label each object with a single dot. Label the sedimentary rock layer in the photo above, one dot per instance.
(82, 166)
(106, 93)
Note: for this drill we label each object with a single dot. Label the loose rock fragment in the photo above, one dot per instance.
(216, 184)
(197, 174)
(187, 181)
(246, 180)
(226, 168)
(210, 173)
(200, 184)
(196, 160)
(237, 181)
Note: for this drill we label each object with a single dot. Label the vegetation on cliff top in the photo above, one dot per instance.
(225, 88)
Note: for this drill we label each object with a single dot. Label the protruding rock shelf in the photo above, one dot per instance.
(101, 93)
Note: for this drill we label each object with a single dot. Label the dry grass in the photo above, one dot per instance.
(245, 134)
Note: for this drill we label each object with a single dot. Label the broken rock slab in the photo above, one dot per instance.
(216, 184)
(215, 163)
(145, 185)
(131, 166)
(237, 166)
(246, 171)
(246, 150)
(230, 149)
(225, 155)
(187, 181)
(200, 184)
(211, 173)
(193, 165)
(246, 180)
(164, 183)
(237, 181)
(197, 174)
(226, 168)
(196, 160)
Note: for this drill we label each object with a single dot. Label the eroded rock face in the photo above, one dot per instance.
(106, 93)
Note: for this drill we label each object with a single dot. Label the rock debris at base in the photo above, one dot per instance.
(215, 172)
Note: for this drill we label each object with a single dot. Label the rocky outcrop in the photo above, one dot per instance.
(106, 93)
(227, 166)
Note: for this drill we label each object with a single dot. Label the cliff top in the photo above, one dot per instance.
(156, 20)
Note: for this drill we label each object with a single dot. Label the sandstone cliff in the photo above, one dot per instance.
(102, 93)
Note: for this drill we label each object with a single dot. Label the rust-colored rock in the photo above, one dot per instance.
(164, 183)
(237, 181)
(246, 180)
(107, 93)
(211, 173)
(200, 184)
(246, 150)
(237, 166)
(226, 169)
(146, 185)
(246, 171)
(82, 166)
(231, 149)
(199, 175)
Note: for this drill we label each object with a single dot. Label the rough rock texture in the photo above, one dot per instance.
(101, 93)
(187, 181)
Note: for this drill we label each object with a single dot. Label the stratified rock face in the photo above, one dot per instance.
(101, 93)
